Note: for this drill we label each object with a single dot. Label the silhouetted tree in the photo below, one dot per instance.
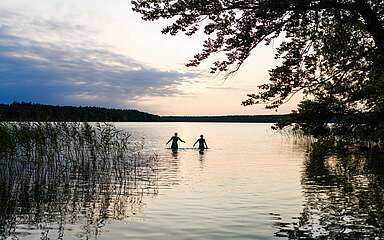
(330, 48)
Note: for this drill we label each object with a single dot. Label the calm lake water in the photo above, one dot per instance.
(252, 183)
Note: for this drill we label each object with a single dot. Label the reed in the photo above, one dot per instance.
(54, 172)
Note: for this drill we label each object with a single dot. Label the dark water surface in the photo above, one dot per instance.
(251, 184)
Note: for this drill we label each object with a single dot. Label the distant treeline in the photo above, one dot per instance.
(234, 118)
(38, 112)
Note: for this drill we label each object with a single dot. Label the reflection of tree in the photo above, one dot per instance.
(56, 175)
(344, 198)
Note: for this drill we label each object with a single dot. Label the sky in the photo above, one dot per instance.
(100, 53)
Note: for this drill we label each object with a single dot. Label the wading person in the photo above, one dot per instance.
(174, 140)
(202, 143)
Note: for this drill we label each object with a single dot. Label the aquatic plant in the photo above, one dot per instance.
(52, 174)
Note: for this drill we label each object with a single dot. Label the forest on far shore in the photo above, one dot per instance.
(49, 113)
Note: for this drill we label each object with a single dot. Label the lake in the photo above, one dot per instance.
(252, 183)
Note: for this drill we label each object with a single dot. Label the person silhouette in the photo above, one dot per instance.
(202, 143)
(174, 140)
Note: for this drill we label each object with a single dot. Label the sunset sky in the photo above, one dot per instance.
(100, 53)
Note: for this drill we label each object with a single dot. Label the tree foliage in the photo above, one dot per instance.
(329, 45)
(331, 49)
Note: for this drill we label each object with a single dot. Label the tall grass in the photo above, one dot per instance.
(56, 172)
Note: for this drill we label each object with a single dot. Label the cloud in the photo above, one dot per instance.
(38, 65)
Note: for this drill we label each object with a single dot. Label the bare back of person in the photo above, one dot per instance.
(202, 143)
(174, 139)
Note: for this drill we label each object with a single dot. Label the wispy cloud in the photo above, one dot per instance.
(36, 65)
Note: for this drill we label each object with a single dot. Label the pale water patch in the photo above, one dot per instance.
(246, 181)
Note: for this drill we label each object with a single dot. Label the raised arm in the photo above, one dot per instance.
(181, 140)
(169, 140)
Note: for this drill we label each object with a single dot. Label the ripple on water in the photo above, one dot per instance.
(262, 187)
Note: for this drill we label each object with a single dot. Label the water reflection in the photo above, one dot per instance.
(202, 158)
(174, 153)
(77, 188)
(58, 178)
(344, 198)
(201, 155)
